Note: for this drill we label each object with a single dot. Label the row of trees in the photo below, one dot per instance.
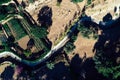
(69, 47)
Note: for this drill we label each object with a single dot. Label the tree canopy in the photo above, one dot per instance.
(4, 1)
(69, 47)
(76, 1)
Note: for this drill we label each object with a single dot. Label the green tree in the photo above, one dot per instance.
(59, 2)
(27, 53)
(4, 1)
(50, 65)
(84, 31)
(69, 47)
(76, 1)
(89, 2)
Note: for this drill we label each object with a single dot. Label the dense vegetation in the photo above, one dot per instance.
(87, 32)
(107, 58)
(107, 66)
(4, 1)
(6, 10)
(69, 47)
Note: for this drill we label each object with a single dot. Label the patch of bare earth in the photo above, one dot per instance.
(83, 45)
(61, 16)
(23, 43)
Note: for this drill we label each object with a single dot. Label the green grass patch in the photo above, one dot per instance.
(18, 29)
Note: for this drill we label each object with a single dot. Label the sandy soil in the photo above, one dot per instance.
(83, 45)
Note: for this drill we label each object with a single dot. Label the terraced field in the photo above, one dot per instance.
(16, 29)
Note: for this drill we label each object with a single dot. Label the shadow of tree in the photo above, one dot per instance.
(8, 73)
(107, 49)
(109, 36)
(84, 69)
(45, 16)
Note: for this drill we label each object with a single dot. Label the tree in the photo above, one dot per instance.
(4, 1)
(50, 65)
(89, 2)
(84, 30)
(27, 53)
(45, 16)
(106, 65)
(76, 1)
(40, 32)
(10, 41)
(59, 2)
(69, 47)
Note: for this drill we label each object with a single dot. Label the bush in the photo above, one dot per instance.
(89, 2)
(50, 65)
(76, 1)
(59, 2)
(69, 47)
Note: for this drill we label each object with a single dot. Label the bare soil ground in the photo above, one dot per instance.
(23, 42)
(83, 45)
(61, 16)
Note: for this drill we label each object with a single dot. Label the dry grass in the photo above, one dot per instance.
(61, 16)
(83, 45)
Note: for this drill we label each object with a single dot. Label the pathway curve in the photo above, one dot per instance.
(38, 61)
(52, 51)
